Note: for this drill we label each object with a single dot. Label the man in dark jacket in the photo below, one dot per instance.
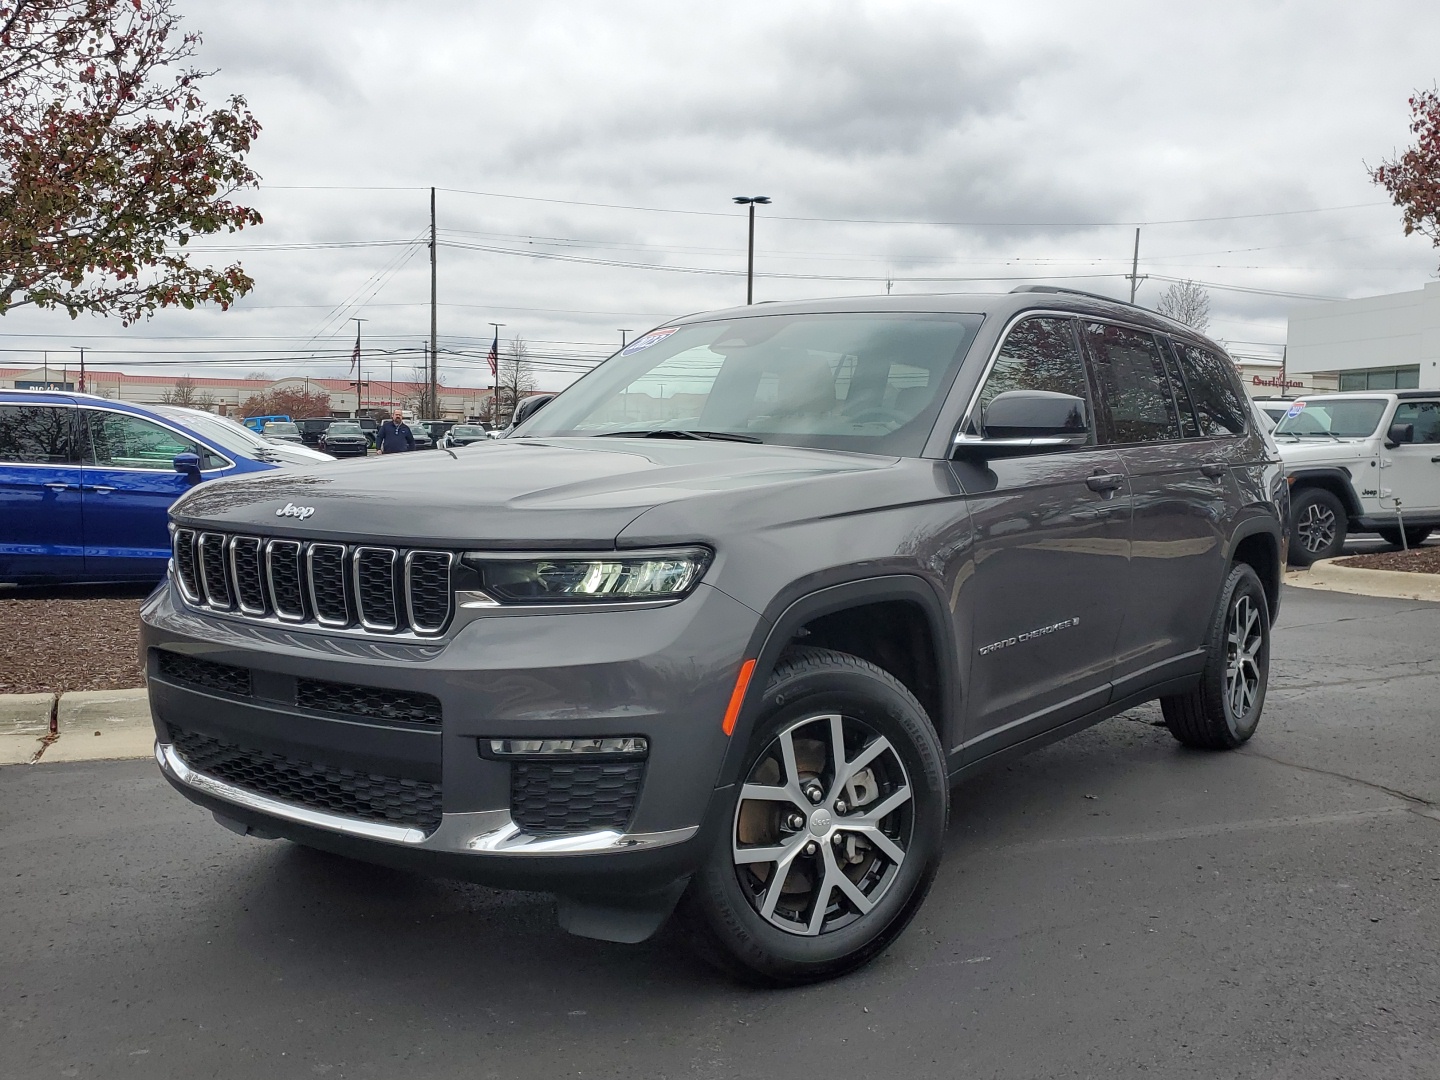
(394, 435)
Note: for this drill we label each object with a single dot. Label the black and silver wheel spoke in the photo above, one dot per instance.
(1244, 640)
(1316, 528)
(822, 824)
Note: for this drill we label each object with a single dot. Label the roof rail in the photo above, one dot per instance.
(1071, 292)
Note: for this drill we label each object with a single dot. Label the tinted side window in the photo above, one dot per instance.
(1425, 415)
(37, 435)
(1189, 422)
(1132, 379)
(122, 441)
(1038, 354)
(1219, 403)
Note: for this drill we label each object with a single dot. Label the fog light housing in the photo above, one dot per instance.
(610, 747)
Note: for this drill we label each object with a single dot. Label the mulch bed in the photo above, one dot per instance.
(49, 645)
(1424, 560)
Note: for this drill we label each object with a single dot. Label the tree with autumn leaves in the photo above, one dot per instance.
(111, 161)
(1413, 179)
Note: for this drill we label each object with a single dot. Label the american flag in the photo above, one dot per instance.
(355, 356)
(494, 356)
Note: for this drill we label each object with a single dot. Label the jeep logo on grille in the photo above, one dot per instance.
(291, 510)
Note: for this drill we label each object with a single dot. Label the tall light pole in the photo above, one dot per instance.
(750, 201)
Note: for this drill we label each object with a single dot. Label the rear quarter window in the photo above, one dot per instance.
(1219, 403)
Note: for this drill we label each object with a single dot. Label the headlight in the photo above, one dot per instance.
(564, 579)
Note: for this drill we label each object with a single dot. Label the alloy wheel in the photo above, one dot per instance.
(1316, 528)
(1244, 639)
(823, 824)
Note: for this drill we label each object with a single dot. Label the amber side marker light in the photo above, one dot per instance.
(737, 696)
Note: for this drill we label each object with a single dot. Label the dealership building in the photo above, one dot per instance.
(1377, 343)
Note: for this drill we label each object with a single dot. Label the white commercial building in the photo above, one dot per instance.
(1376, 343)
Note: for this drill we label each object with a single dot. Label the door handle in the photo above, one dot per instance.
(1214, 469)
(1104, 481)
(55, 485)
(100, 489)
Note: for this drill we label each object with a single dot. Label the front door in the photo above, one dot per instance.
(130, 482)
(1413, 476)
(1051, 554)
(40, 497)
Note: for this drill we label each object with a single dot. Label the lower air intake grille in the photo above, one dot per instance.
(366, 796)
(371, 702)
(557, 799)
(206, 674)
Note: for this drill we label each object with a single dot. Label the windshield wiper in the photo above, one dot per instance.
(678, 433)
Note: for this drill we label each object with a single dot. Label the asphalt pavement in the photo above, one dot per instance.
(1113, 906)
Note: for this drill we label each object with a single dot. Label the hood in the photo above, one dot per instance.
(520, 493)
(1313, 451)
(294, 454)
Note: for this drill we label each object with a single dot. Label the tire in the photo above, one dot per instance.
(789, 939)
(1317, 526)
(1218, 714)
(1414, 536)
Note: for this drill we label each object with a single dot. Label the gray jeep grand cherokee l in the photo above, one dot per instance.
(722, 624)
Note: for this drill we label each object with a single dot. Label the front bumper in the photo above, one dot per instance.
(662, 673)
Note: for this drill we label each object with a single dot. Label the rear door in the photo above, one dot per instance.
(1051, 555)
(1184, 496)
(130, 482)
(40, 496)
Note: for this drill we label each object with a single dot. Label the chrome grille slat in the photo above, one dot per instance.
(373, 569)
(325, 568)
(185, 569)
(358, 588)
(245, 572)
(282, 569)
(213, 577)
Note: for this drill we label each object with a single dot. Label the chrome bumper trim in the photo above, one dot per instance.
(487, 832)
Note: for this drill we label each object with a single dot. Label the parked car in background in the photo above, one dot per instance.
(464, 435)
(1361, 462)
(282, 431)
(86, 483)
(422, 438)
(1274, 408)
(436, 429)
(370, 426)
(344, 438)
(257, 423)
(312, 427)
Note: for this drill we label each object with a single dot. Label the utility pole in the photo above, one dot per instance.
(359, 375)
(1135, 276)
(434, 402)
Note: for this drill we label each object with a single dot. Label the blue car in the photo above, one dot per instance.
(86, 483)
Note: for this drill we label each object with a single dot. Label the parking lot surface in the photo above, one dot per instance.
(1111, 906)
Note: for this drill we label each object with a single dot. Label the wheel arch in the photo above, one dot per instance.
(1337, 481)
(854, 613)
(1260, 543)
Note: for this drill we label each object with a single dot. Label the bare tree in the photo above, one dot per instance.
(514, 381)
(1188, 303)
(419, 398)
(184, 394)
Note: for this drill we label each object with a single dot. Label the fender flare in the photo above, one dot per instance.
(796, 606)
(1341, 476)
(1263, 524)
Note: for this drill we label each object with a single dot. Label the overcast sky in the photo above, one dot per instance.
(942, 146)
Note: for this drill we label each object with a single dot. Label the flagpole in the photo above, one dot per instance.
(355, 363)
(495, 373)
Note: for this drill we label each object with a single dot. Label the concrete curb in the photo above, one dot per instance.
(82, 725)
(1393, 584)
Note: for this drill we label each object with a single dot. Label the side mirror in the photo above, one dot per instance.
(189, 464)
(1020, 422)
(1399, 433)
(529, 407)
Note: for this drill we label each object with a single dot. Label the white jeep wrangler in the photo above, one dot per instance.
(1361, 462)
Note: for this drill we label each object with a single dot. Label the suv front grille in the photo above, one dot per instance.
(207, 674)
(367, 796)
(372, 702)
(337, 586)
(554, 799)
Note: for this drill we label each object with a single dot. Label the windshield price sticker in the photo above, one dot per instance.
(1294, 409)
(652, 338)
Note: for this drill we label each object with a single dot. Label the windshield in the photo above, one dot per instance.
(226, 434)
(868, 382)
(281, 428)
(467, 431)
(344, 429)
(1355, 419)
